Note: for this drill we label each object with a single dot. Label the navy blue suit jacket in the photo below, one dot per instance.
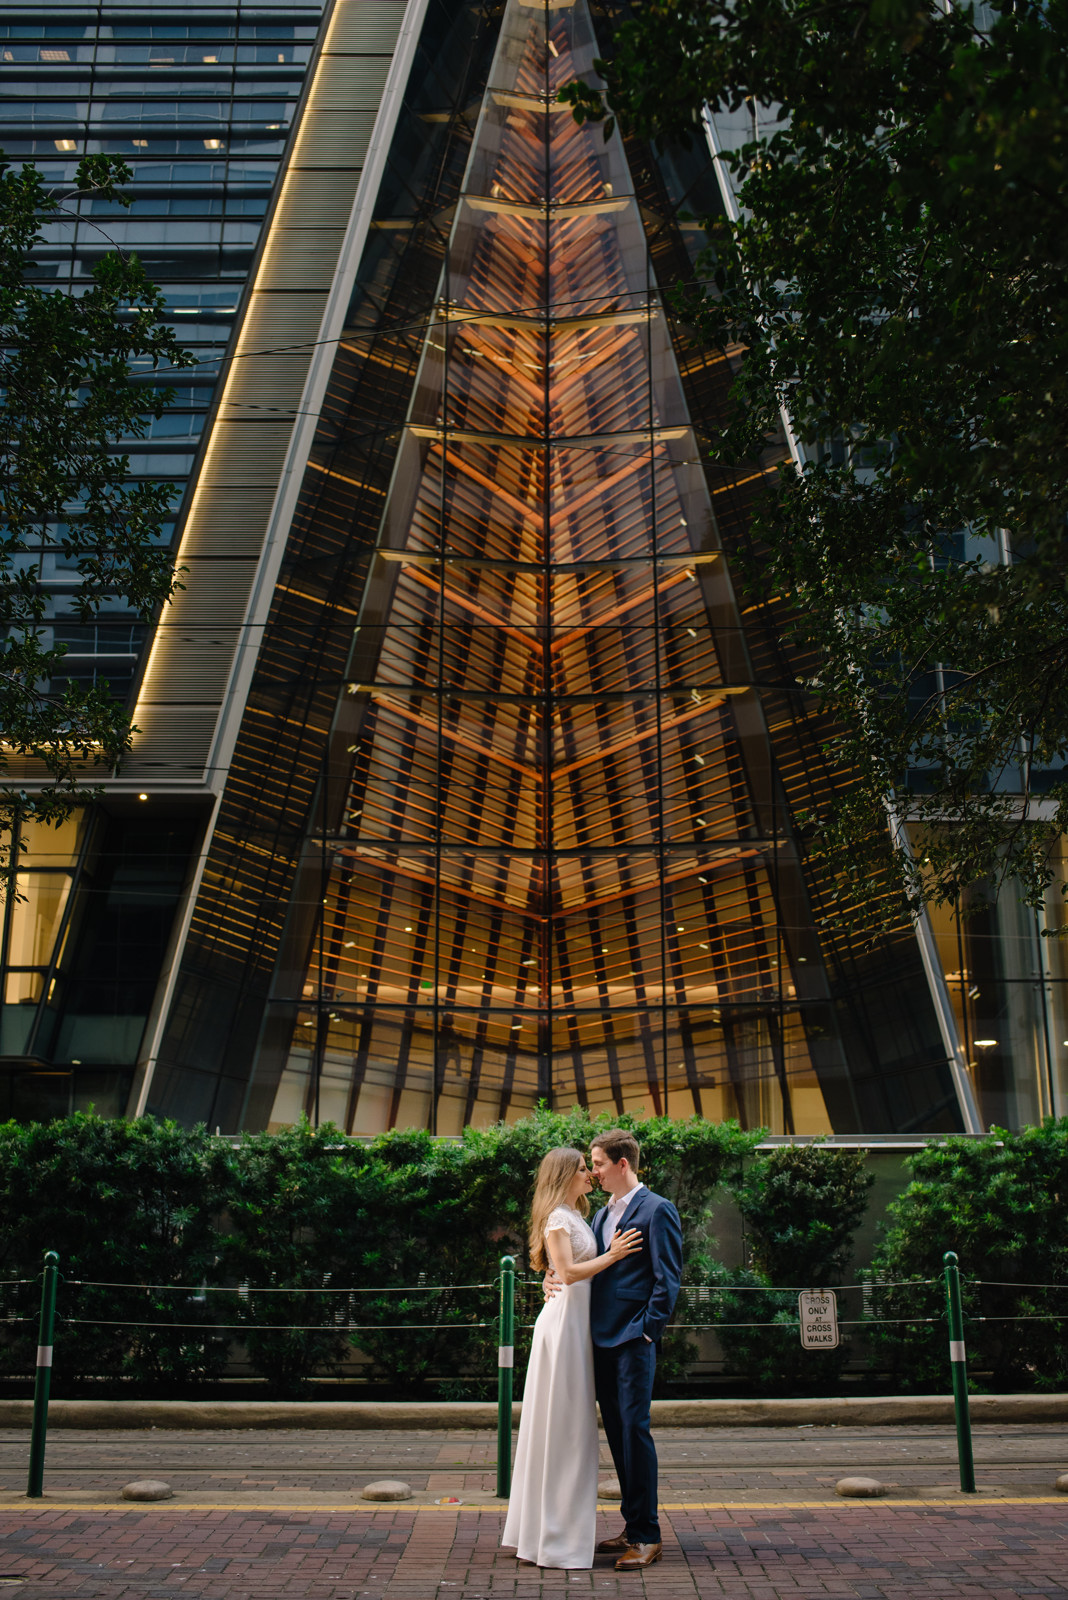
(637, 1295)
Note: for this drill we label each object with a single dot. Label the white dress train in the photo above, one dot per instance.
(552, 1512)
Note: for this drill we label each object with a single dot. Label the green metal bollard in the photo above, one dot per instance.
(505, 1363)
(34, 1486)
(958, 1366)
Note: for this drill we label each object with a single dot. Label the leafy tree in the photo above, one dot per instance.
(70, 391)
(802, 1205)
(897, 280)
(1002, 1205)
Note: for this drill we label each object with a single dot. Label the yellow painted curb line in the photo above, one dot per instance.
(367, 1508)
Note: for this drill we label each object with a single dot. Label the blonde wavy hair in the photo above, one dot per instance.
(555, 1177)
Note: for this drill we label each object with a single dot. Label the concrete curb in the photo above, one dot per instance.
(405, 1415)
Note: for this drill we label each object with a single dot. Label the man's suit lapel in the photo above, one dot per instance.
(634, 1209)
(598, 1227)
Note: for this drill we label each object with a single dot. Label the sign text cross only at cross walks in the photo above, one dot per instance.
(817, 1311)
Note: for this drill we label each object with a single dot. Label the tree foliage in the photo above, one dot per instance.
(71, 390)
(801, 1205)
(1002, 1206)
(897, 279)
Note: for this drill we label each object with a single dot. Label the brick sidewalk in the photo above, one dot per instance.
(1003, 1549)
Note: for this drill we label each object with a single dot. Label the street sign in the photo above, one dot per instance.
(817, 1311)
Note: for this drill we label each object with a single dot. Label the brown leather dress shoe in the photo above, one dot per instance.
(614, 1547)
(639, 1555)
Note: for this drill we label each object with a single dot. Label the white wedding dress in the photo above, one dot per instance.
(552, 1512)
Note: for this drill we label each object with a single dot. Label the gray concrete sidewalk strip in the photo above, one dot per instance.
(853, 1411)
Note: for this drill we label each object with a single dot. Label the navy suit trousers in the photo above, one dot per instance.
(623, 1377)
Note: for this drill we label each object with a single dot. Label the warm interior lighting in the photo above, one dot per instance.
(542, 745)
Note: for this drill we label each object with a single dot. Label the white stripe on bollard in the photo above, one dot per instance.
(505, 1355)
(44, 1355)
(956, 1350)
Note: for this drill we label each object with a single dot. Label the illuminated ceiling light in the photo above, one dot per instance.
(142, 797)
(701, 823)
(530, 963)
(139, 144)
(407, 930)
(213, 144)
(65, 145)
(350, 944)
(692, 632)
(699, 761)
(679, 927)
(985, 1044)
(701, 880)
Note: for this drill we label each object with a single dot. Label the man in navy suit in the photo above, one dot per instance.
(630, 1304)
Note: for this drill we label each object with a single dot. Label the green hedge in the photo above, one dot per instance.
(396, 1232)
(148, 1203)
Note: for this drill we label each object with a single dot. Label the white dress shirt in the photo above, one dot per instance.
(616, 1208)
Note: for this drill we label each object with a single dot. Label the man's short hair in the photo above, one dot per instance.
(617, 1143)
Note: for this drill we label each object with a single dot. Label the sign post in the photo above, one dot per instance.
(958, 1366)
(817, 1313)
(39, 1434)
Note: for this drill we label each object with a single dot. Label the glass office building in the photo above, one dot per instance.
(465, 778)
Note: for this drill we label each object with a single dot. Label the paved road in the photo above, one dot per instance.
(750, 1514)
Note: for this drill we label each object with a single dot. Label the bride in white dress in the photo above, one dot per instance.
(552, 1511)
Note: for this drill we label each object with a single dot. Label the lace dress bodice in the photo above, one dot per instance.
(583, 1243)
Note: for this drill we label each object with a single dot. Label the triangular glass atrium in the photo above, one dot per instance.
(557, 870)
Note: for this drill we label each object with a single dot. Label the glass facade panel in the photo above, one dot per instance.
(1008, 983)
(550, 843)
(150, 83)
